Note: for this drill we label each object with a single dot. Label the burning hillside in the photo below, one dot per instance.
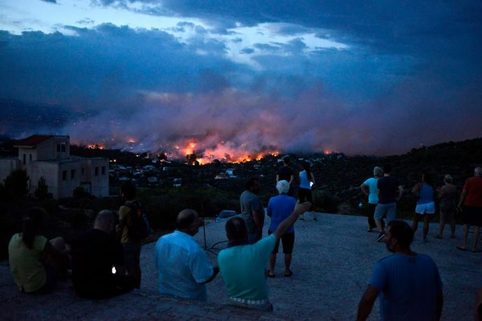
(194, 150)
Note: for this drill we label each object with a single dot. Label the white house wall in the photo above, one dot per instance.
(49, 171)
(47, 150)
(97, 174)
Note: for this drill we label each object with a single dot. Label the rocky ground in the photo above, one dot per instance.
(332, 262)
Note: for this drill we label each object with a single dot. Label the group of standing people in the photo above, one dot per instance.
(410, 282)
(384, 191)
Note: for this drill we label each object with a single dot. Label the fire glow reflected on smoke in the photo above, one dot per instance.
(96, 146)
(223, 151)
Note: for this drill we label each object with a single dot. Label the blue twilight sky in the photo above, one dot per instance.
(372, 77)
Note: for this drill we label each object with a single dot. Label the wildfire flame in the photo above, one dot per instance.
(96, 146)
(196, 151)
(226, 153)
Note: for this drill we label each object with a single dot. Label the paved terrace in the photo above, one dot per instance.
(332, 262)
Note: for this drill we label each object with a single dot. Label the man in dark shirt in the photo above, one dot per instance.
(94, 254)
(287, 173)
(389, 192)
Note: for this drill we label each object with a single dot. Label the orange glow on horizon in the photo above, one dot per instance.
(96, 146)
(194, 150)
(131, 140)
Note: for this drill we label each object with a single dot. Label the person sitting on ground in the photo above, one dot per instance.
(410, 283)
(183, 266)
(369, 188)
(425, 204)
(448, 206)
(35, 262)
(242, 265)
(94, 255)
(252, 209)
(129, 238)
(279, 208)
(471, 200)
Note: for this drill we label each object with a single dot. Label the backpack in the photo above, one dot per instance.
(138, 227)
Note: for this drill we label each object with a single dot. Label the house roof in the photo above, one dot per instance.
(33, 140)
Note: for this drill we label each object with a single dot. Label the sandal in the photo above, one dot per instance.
(271, 274)
(461, 248)
(288, 273)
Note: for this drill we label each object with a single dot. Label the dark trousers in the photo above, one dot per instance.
(370, 211)
(104, 289)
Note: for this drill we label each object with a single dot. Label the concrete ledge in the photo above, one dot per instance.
(332, 262)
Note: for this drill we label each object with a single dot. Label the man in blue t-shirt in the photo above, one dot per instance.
(409, 284)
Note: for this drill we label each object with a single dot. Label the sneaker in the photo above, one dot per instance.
(380, 236)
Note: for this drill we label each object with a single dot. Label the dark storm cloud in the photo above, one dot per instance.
(411, 75)
(98, 64)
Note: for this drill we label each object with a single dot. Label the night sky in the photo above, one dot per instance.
(229, 77)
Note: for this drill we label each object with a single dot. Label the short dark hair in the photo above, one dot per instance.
(236, 229)
(185, 218)
(427, 176)
(250, 182)
(387, 168)
(128, 189)
(402, 232)
(31, 223)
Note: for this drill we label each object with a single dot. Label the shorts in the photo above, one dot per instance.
(288, 240)
(426, 208)
(472, 215)
(388, 210)
(304, 195)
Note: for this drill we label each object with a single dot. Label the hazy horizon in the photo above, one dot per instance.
(237, 78)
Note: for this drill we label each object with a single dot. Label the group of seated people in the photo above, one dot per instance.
(96, 258)
(37, 264)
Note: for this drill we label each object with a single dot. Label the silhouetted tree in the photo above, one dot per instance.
(16, 184)
(42, 191)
